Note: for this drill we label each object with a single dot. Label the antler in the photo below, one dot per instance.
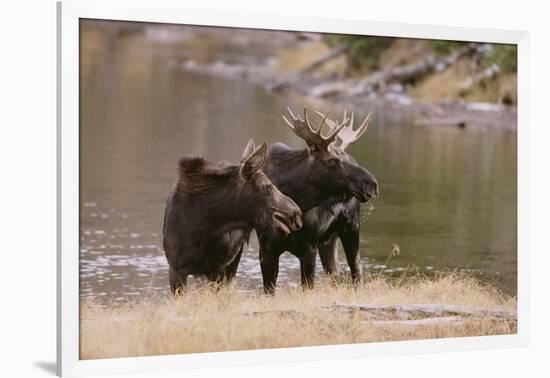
(313, 136)
(347, 135)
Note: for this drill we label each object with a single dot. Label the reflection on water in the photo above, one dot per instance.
(448, 196)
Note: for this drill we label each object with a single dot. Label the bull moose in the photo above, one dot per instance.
(211, 211)
(328, 185)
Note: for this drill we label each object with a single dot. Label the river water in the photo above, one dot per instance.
(448, 195)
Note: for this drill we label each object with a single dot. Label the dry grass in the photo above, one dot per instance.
(446, 85)
(205, 320)
(295, 58)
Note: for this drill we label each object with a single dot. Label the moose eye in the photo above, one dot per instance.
(333, 162)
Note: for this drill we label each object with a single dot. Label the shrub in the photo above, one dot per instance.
(442, 48)
(504, 56)
(363, 51)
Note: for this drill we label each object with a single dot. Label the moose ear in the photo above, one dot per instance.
(250, 147)
(253, 162)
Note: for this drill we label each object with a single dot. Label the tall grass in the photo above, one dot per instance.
(206, 320)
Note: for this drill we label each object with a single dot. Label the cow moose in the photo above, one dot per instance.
(328, 185)
(211, 211)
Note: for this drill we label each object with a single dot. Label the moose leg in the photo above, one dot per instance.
(328, 252)
(350, 241)
(231, 269)
(269, 262)
(216, 278)
(178, 280)
(307, 266)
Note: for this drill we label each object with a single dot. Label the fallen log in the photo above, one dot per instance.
(410, 315)
(487, 74)
(428, 310)
(447, 320)
(414, 71)
(274, 312)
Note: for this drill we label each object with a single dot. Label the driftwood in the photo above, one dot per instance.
(427, 310)
(407, 314)
(380, 80)
(447, 320)
(487, 74)
(413, 315)
(276, 312)
(294, 77)
(414, 71)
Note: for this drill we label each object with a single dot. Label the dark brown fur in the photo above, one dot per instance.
(328, 186)
(212, 209)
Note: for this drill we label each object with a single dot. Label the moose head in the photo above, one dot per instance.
(330, 170)
(271, 208)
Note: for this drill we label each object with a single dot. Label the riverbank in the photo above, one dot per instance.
(461, 114)
(428, 82)
(450, 91)
(206, 320)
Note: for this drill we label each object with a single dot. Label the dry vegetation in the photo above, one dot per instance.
(447, 85)
(206, 320)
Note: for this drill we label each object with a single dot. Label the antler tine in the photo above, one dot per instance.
(334, 127)
(320, 114)
(294, 117)
(338, 128)
(364, 126)
(323, 120)
(332, 124)
(313, 136)
(349, 136)
(344, 130)
(288, 122)
(308, 124)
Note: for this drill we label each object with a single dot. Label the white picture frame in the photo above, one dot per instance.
(173, 11)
